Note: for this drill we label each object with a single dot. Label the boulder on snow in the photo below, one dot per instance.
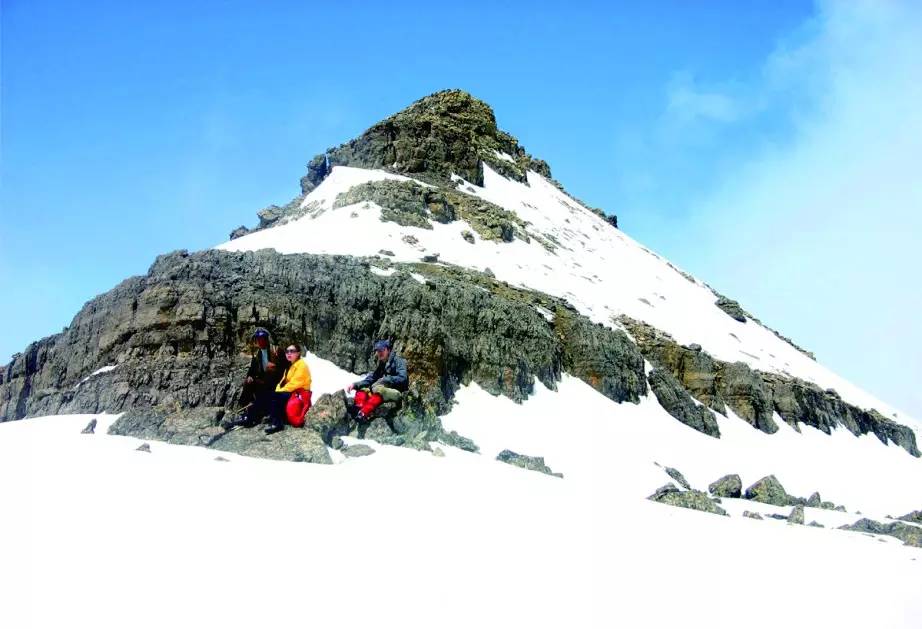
(797, 515)
(357, 450)
(291, 444)
(690, 499)
(90, 428)
(769, 491)
(144, 447)
(816, 524)
(910, 535)
(814, 500)
(729, 486)
(914, 517)
(753, 515)
(677, 476)
(534, 463)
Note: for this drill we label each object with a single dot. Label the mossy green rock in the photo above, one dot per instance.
(729, 486)
(534, 463)
(691, 499)
(910, 535)
(770, 491)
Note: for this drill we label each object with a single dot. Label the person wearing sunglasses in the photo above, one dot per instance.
(297, 378)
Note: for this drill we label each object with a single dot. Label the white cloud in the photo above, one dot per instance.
(687, 102)
(821, 236)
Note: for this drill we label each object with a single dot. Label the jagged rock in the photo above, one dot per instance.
(680, 404)
(677, 476)
(913, 516)
(691, 499)
(797, 515)
(908, 534)
(769, 491)
(753, 515)
(753, 395)
(357, 450)
(732, 308)
(328, 416)
(729, 486)
(463, 443)
(90, 428)
(444, 134)
(534, 463)
(291, 444)
(815, 500)
(144, 447)
(468, 236)
(240, 231)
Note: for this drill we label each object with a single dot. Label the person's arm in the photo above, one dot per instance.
(297, 377)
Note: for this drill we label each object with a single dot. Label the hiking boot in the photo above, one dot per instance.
(241, 421)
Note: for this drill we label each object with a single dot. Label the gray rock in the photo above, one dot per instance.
(769, 491)
(386, 252)
(291, 444)
(914, 517)
(534, 463)
(732, 308)
(753, 515)
(797, 515)
(357, 450)
(221, 459)
(910, 535)
(677, 476)
(337, 443)
(814, 500)
(691, 499)
(432, 258)
(468, 236)
(680, 404)
(90, 428)
(816, 524)
(438, 452)
(144, 447)
(729, 486)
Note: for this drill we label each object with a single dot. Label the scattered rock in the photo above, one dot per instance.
(488, 272)
(386, 252)
(337, 442)
(437, 451)
(691, 499)
(910, 535)
(797, 515)
(468, 235)
(913, 516)
(752, 514)
(410, 240)
(144, 447)
(729, 486)
(90, 428)
(816, 524)
(432, 257)
(769, 491)
(534, 463)
(221, 459)
(357, 450)
(677, 476)
(814, 500)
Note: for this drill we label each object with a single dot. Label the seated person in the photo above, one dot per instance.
(384, 384)
(296, 378)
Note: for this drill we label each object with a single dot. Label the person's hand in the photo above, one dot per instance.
(249, 380)
(350, 388)
(270, 366)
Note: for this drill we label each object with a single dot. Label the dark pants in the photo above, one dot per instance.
(277, 404)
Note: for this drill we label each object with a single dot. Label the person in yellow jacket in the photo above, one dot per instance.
(296, 378)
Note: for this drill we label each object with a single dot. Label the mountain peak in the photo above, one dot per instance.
(445, 133)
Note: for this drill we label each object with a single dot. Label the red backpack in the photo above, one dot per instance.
(298, 405)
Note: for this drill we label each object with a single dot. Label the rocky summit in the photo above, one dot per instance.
(481, 268)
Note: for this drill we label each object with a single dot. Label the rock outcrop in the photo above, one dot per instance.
(533, 463)
(770, 491)
(690, 499)
(729, 486)
(906, 533)
(755, 396)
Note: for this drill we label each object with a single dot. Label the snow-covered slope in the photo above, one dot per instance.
(598, 269)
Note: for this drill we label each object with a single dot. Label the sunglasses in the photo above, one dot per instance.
(292, 351)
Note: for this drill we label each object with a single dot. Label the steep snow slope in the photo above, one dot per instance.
(599, 269)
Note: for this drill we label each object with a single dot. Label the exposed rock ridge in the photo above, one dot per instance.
(756, 395)
(178, 335)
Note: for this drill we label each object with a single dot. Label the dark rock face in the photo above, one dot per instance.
(691, 499)
(534, 463)
(729, 486)
(769, 491)
(908, 534)
(178, 337)
(449, 132)
(680, 404)
(913, 516)
(755, 395)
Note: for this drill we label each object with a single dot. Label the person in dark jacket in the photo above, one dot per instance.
(384, 384)
(266, 368)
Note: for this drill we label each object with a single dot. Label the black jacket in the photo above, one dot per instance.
(392, 373)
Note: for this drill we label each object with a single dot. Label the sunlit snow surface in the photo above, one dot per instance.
(98, 534)
(598, 269)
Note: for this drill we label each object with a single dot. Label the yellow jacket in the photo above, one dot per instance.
(298, 376)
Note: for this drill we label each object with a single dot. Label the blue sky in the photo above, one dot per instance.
(766, 147)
